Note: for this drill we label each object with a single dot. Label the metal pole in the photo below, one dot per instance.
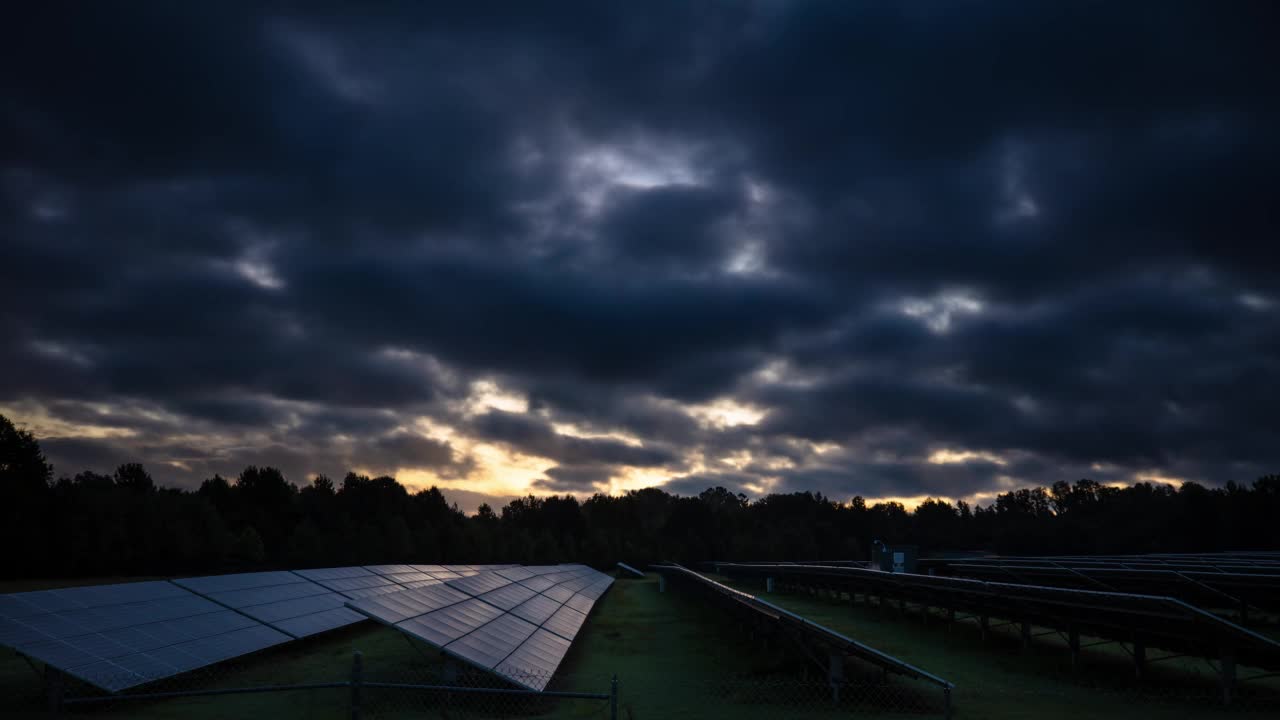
(1073, 639)
(54, 686)
(1228, 667)
(613, 698)
(357, 679)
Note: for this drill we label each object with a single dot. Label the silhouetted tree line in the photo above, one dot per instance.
(124, 524)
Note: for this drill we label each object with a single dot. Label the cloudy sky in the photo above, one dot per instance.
(893, 249)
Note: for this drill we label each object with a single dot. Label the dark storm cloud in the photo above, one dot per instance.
(575, 478)
(695, 484)
(1042, 231)
(72, 455)
(670, 225)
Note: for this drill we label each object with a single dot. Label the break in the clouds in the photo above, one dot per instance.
(878, 249)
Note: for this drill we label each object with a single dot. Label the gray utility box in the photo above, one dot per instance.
(896, 558)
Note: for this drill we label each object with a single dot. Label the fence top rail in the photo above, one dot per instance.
(489, 691)
(333, 686)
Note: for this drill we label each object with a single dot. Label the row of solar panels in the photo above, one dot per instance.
(1238, 557)
(1237, 591)
(1160, 621)
(120, 636)
(771, 613)
(517, 623)
(1249, 565)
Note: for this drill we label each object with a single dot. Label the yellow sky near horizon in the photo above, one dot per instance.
(500, 471)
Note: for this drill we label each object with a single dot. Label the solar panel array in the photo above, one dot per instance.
(285, 601)
(1217, 589)
(1161, 621)
(305, 602)
(763, 611)
(515, 622)
(120, 636)
(1237, 583)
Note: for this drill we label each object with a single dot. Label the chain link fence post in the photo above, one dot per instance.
(613, 698)
(54, 689)
(357, 681)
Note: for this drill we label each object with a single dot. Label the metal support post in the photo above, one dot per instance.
(1073, 641)
(357, 680)
(54, 687)
(613, 699)
(1228, 671)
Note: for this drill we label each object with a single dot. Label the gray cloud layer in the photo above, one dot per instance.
(1040, 232)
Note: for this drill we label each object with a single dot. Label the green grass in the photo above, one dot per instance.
(675, 657)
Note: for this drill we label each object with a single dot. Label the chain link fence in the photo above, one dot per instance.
(338, 687)
(335, 687)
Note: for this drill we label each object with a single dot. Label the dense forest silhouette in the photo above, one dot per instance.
(124, 524)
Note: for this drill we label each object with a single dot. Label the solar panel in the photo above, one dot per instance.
(406, 578)
(420, 583)
(239, 581)
(286, 601)
(538, 584)
(349, 584)
(515, 574)
(333, 573)
(294, 590)
(443, 626)
(119, 636)
(312, 623)
(565, 622)
(630, 569)
(537, 609)
(581, 603)
(534, 662)
(504, 622)
(480, 583)
(389, 569)
(508, 596)
(558, 592)
(492, 642)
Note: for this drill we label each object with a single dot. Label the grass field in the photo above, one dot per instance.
(675, 658)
